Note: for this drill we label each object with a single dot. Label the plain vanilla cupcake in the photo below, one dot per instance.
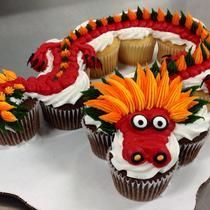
(19, 114)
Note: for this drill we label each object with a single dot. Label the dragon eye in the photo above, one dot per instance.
(160, 123)
(139, 122)
(137, 158)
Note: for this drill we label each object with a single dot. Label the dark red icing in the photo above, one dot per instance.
(148, 141)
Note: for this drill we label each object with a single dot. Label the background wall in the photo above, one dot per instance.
(24, 24)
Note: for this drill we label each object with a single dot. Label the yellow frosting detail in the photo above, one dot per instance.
(161, 15)
(198, 56)
(175, 19)
(121, 96)
(8, 116)
(181, 63)
(189, 21)
(9, 90)
(10, 75)
(19, 87)
(2, 96)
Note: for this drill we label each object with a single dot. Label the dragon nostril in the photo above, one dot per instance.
(137, 158)
(160, 158)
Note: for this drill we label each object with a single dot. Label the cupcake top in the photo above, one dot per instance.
(12, 97)
(144, 112)
(59, 60)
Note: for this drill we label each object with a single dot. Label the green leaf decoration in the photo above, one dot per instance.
(182, 19)
(172, 68)
(139, 13)
(91, 93)
(169, 16)
(194, 27)
(110, 20)
(135, 76)
(192, 119)
(99, 23)
(192, 88)
(15, 126)
(155, 69)
(93, 113)
(154, 15)
(205, 57)
(107, 127)
(119, 74)
(104, 80)
(89, 27)
(124, 16)
(189, 59)
(17, 94)
(198, 106)
(207, 44)
(2, 125)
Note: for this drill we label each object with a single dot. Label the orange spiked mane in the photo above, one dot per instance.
(121, 96)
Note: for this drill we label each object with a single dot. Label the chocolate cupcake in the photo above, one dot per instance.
(191, 136)
(19, 114)
(140, 110)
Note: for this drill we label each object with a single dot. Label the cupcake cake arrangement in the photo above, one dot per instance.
(144, 125)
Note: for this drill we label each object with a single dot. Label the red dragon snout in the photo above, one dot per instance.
(146, 134)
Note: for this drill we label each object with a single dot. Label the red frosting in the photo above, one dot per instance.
(149, 141)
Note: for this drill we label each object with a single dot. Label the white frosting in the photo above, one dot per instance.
(191, 130)
(90, 121)
(102, 41)
(133, 33)
(69, 95)
(146, 170)
(174, 39)
(197, 80)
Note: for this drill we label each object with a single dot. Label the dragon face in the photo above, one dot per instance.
(146, 134)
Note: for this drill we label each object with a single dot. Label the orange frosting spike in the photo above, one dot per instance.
(146, 14)
(8, 116)
(83, 30)
(131, 14)
(204, 34)
(163, 67)
(119, 79)
(189, 21)
(199, 29)
(2, 96)
(161, 15)
(180, 116)
(10, 75)
(9, 90)
(181, 63)
(198, 56)
(150, 89)
(117, 18)
(73, 36)
(112, 117)
(208, 38)
(92, 23)
(136, 92)
(175, 19)
(104, 21)
(163, 88)
(19, 87)
(4, 106)
(141, 77)
(99, 104)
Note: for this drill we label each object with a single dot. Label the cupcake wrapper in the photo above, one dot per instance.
(109, 63)
(188, 152)
(164, 49)
(133, 53)
(100, 142)
(140, 190)
(30, 124)
(63, 119)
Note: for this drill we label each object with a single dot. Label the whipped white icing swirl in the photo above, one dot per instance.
(145, 170)
(69, 95)
(191, 130)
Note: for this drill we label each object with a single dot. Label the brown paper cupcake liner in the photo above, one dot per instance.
(136, 51)
(190, 149)
(30, 124)
(140, 190)
(69, 119)
(109, 61)
(166, 48)
(204, 96)
(100, 142)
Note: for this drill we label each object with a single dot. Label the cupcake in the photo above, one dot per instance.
(19, 114)
(139, 110)
(106, 47)
(59, 86)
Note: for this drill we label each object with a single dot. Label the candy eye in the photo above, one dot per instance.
(137, 158)
(160, 123)
(160, 158)
(139, 121)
